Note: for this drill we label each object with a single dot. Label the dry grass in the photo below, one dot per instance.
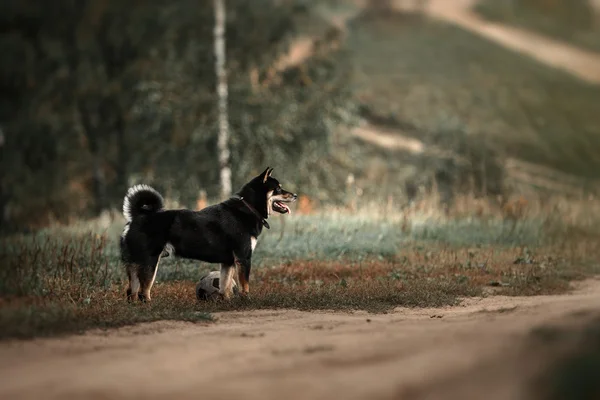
(68, 279)
(75, 293)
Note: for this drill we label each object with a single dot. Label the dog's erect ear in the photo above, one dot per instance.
(267, 173)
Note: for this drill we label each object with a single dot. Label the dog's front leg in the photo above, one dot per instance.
(243, 266)
(225, 281)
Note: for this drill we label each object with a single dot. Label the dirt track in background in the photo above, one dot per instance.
(296, 355)
(578, 62)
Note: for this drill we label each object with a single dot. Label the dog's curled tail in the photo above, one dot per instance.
(140, 200)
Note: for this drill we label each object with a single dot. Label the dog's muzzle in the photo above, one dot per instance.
(280, 206)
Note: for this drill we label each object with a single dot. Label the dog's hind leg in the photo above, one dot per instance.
(225, 281)
(134, 281)
(147, 276)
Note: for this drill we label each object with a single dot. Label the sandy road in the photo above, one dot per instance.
(293, 355)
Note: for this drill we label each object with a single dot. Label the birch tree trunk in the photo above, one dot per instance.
(223, 138)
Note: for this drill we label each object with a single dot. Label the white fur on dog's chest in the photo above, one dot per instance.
(253, 241)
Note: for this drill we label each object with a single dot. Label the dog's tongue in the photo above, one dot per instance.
(286, 208)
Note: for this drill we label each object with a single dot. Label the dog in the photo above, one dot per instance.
(224, 233)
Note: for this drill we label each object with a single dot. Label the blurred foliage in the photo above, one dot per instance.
(457, 91)
(98, 94)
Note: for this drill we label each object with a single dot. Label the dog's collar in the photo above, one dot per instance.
(253, 210)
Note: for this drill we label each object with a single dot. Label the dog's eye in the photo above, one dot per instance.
(278, 190)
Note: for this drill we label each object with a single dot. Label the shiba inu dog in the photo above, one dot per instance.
(224, 233)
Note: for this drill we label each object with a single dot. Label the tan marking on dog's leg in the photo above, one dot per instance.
(243, 282)
(244, 287)
(241, 278)
(227, 272)
(134, 281)
(148, 288)
(236, 274)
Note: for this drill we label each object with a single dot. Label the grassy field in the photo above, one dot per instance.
(68, 279)
(522, 17)
(441, 80)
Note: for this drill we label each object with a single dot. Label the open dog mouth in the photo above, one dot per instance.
(280, 207)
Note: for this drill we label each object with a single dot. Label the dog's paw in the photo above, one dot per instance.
(244, 296)
(221, 297)
(143, 299)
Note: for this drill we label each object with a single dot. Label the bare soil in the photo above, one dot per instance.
(467, 351)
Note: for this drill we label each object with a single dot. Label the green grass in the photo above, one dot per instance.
(553, 26)
(62, 255)
(65, 280)
(441, 80)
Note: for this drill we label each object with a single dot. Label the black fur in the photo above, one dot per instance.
(217, 234)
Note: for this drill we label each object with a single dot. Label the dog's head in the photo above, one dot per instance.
(275, 197)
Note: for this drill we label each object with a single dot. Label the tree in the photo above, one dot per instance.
(100, 94)
(221, 73)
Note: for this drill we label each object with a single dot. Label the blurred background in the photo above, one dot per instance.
(441, 150)
(385, 104)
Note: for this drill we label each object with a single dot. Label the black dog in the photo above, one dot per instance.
(224, 233)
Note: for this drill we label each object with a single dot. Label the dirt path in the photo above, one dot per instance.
(578, 62)
(581, 63)
(291, 354)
